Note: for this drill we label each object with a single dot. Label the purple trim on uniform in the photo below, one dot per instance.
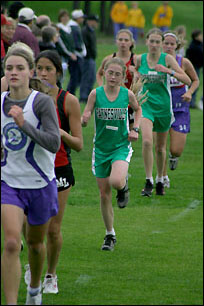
(179, 59)
(181, 108)
(3, 162)
(38, 204)
(33, 106)
(182, 122)
(6, 115)
(30, 159)
(178, 104)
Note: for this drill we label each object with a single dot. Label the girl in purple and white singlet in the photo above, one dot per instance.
(181, 97)
(30, 138)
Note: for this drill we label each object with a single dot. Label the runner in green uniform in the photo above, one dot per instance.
(112, 142)
(156, 68)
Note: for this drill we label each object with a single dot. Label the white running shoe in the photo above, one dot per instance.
(50, 284)
(34, 299)
(173, 162)
(27, 275)
(166, 182)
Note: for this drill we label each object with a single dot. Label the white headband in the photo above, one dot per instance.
(171, 34)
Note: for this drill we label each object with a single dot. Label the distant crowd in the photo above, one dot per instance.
(74, 38)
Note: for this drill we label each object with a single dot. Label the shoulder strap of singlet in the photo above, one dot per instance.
(179, 59)
(132, 59)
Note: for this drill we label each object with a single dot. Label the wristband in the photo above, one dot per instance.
(172, 73)
(136, 129)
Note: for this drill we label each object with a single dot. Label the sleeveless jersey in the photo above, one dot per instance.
(158, 83)
(128, 79)
(63, 157)
(26, 164)
(111, 122)
(177, 90)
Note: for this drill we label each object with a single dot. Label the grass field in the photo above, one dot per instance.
(158, 258)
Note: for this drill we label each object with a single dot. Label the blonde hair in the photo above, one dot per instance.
(23, 50)
(130, 35)
(181, 32)
(155, 31)
(116, 61)
(12, 21)
(179, 40)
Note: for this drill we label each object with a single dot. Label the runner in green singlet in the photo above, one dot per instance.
(156, 68)
(112, 142)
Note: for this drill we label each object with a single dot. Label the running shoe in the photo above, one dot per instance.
(123, 196)
(50, 284)
(148, 189)
(166, 182)
(33, 299)
(109, 242)
(173, 162)
(160, 188)
(27, 275)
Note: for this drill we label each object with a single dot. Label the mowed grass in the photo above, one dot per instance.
(158, 256)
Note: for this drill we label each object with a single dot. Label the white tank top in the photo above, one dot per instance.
(26, 164)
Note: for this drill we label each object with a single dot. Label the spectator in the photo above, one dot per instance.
(65, 45)
(75, 67)
(195, 54)
(7, 32)
(41, 21)
(119, 13)
(23, 31)
(4, 7)
(89, 66)
(4, 22)
(49, 38)
(3, 53)
(135, 21)
(163, 16)
(14, 8)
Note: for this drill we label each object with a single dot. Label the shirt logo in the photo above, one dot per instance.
(111, 113)
(62, 182)
(154, 78)
(15, 138)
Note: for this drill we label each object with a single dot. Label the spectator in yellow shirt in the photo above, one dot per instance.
(119, 13)
(135, 21)
(163, 16)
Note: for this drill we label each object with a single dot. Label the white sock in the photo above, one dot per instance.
(111, 232)
(165, 177)
(151, 179)
(34, 291)
(159, 179)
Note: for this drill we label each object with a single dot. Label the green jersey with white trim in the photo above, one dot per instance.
(158, 84)
(111, 122)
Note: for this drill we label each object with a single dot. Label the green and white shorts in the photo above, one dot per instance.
(101, 164)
